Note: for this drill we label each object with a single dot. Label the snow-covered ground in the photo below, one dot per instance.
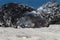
(51, 33)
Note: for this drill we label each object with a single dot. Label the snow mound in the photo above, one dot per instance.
(51, 33)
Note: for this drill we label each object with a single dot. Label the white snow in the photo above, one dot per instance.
(50, 33)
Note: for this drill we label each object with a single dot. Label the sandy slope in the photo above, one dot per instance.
(51, 33)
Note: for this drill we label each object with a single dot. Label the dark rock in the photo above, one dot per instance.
(12, 12)
(51, 11)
